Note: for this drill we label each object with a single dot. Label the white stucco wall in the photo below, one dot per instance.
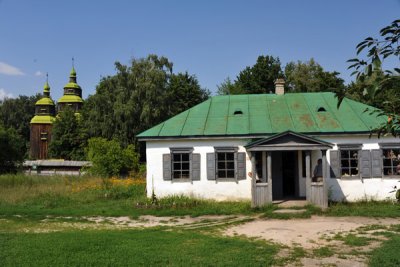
(349, 189)
(219, 190)
(355, 189)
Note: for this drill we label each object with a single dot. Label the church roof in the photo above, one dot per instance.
(267, 114)
(70, 99)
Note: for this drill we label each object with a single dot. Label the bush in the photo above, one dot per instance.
(11, 150)
(110, 159)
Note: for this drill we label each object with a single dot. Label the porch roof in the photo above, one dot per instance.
(288, 141)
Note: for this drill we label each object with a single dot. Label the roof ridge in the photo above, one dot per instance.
(183, 126)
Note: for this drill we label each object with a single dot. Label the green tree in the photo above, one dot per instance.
(138, 97)
(227, 87)
(375, 82)
(16, 113)
(110, 159)
(11, 150)
(184, 92)
(309, 76)
(68, 137)
(260, 78)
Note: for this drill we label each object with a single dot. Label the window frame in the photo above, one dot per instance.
(181, 150)
(349, 147)
(234, 151)
(389, 146)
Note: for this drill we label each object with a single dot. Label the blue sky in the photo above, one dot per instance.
(211, 39)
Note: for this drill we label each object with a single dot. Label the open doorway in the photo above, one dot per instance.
(285, 180)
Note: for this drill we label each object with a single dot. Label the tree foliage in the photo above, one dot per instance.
(372, 81)
(138, 97)
(110, 159)
(11, 150)
(68, 139)
(309, 76)
(260, 78)
(16, 113)
(300, 76)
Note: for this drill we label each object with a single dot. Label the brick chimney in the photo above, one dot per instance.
(280, 86)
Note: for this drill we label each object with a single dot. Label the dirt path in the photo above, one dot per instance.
(304, 232)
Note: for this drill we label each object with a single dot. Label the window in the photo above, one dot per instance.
(349, 162)
(225, 164)
(43, 136)
(180, 165)
(391, 161)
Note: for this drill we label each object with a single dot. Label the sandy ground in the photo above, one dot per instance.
(306, 233)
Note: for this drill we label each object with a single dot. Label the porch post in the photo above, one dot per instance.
(264, 167)
(308, 176)
(253, 179)
(324, 179)
(269, 176)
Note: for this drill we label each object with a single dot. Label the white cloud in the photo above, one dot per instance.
(9, 70)
(39, 73)
(4, 94)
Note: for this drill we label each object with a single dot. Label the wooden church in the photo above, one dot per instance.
(45, 115)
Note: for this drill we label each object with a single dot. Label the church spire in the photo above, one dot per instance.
(46, 88)
(72, 74)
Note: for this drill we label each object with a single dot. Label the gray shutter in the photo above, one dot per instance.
(167, 167)
(365, 163)
(241, 166)
(210, 166)
(335, 164)
(195, 167)
(376, 155)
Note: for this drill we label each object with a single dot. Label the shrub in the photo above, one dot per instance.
(110, 159)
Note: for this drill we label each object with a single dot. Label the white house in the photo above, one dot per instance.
(265, 147)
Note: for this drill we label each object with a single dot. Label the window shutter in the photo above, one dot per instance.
(241, 166)
(376, 155)
(195, 167)
(167, 167)
(365, 163)
(335, 163)
(210, 166)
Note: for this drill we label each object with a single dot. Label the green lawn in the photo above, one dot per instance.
(131, 248)
(388, 254)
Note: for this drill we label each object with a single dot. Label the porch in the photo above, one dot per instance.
(281, 169)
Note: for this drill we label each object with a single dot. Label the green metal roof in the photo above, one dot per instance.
(45, 101)
(70, 99)
(43, 119)
(266, 114)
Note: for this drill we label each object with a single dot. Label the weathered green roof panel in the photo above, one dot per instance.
(217, 119)
(175, 125)
(196, 120)
(259, 120)
(267, 114)
(302, 118)
(238, 114)
(352, 120)
(280, 117)
(369, 119)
